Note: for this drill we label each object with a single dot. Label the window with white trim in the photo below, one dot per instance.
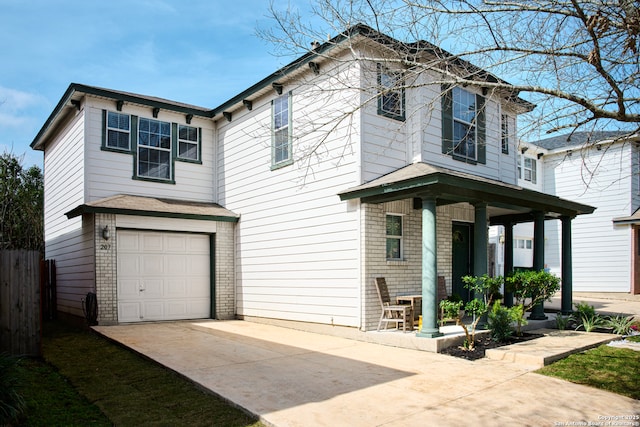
(523, 244)
(505, 133)
(394, 237)
(391, 93)
(530, 170)
(154, 149)
(118, 131)
(464, 123)
(281, 145)
(188, 143)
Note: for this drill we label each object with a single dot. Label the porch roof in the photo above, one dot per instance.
(150, 206)
(632, 219)
(506, 202)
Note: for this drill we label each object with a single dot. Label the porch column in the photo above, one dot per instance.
(537, 313)
(567, 267)
(480, 242)
(508, 259)
(429, 271)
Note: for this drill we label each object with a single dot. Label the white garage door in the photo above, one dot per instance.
(163, 276)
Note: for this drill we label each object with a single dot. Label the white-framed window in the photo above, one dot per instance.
(281, 126)
(530, 170)
(464, 123)
(154, 149)
(523, 244)
(118, 131)
(504, 124)
(394, 238)
(188, 143)
(391, 93)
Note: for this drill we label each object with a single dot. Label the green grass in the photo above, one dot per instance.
(88, 380)
(52, 400)
(605, 367)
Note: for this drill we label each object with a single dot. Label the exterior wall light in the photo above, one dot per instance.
(105, 233)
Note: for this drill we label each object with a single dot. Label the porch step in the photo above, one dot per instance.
(553, 346)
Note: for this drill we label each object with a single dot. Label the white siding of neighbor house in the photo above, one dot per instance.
(297, 254)
(601, 250)
(68, 242)
(109, 173)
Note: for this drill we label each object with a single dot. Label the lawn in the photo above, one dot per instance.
(87, 380)
(605, 367)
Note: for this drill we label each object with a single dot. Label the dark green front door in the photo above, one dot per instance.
(462, 259)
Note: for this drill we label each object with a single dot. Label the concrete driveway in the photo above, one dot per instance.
(289, 377)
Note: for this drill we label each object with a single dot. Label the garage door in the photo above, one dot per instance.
(163, 276)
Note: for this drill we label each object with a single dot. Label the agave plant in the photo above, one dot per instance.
(620, 324)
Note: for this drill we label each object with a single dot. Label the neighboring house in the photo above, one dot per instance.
(287, 200)
(599, 169)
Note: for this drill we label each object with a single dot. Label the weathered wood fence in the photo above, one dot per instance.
(20, 321)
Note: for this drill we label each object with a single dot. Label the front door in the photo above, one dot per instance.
(462, 258)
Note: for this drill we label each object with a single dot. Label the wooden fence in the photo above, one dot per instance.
(20, 322)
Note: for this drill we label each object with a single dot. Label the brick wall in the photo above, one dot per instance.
(106, 273)
(225, 271)
(403, 276)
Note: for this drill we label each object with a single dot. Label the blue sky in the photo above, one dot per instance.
(200, 52)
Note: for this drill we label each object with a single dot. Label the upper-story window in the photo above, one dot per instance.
(527, 169)
(154, 149)
(118, 131)
(463, 125)
(504, 124)
(394, 236)
(188, 143)
(530, 170)
(391, 93)
(281, 127)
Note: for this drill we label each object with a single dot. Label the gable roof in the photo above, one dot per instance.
(579, 139)
(75, 91)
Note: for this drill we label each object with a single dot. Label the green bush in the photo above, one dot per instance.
(11, 402)
(583, 309)
(500, 322)
(530, 288)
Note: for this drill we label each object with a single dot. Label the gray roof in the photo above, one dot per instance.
(151, 206)
(579, 138)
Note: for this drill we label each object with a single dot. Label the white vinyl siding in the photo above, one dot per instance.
(297, 254)
(110, 173)
(601, 250)
(68, 242)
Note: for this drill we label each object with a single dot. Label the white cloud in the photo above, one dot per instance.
(14, 101)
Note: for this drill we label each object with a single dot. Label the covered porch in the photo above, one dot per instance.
(493, 202)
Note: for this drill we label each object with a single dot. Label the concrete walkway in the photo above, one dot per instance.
(298, 378)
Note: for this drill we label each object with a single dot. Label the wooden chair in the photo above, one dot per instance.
(399, 313)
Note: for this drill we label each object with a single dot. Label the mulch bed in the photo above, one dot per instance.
(483, 343)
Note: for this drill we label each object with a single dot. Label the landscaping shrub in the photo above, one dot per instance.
(530, 288)
(500, 322)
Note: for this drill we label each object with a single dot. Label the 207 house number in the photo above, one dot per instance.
(105, 246)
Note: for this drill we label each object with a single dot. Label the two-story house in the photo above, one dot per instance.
(599, 169)
(352, 162)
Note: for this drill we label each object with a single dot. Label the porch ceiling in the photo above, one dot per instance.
(505, 202)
